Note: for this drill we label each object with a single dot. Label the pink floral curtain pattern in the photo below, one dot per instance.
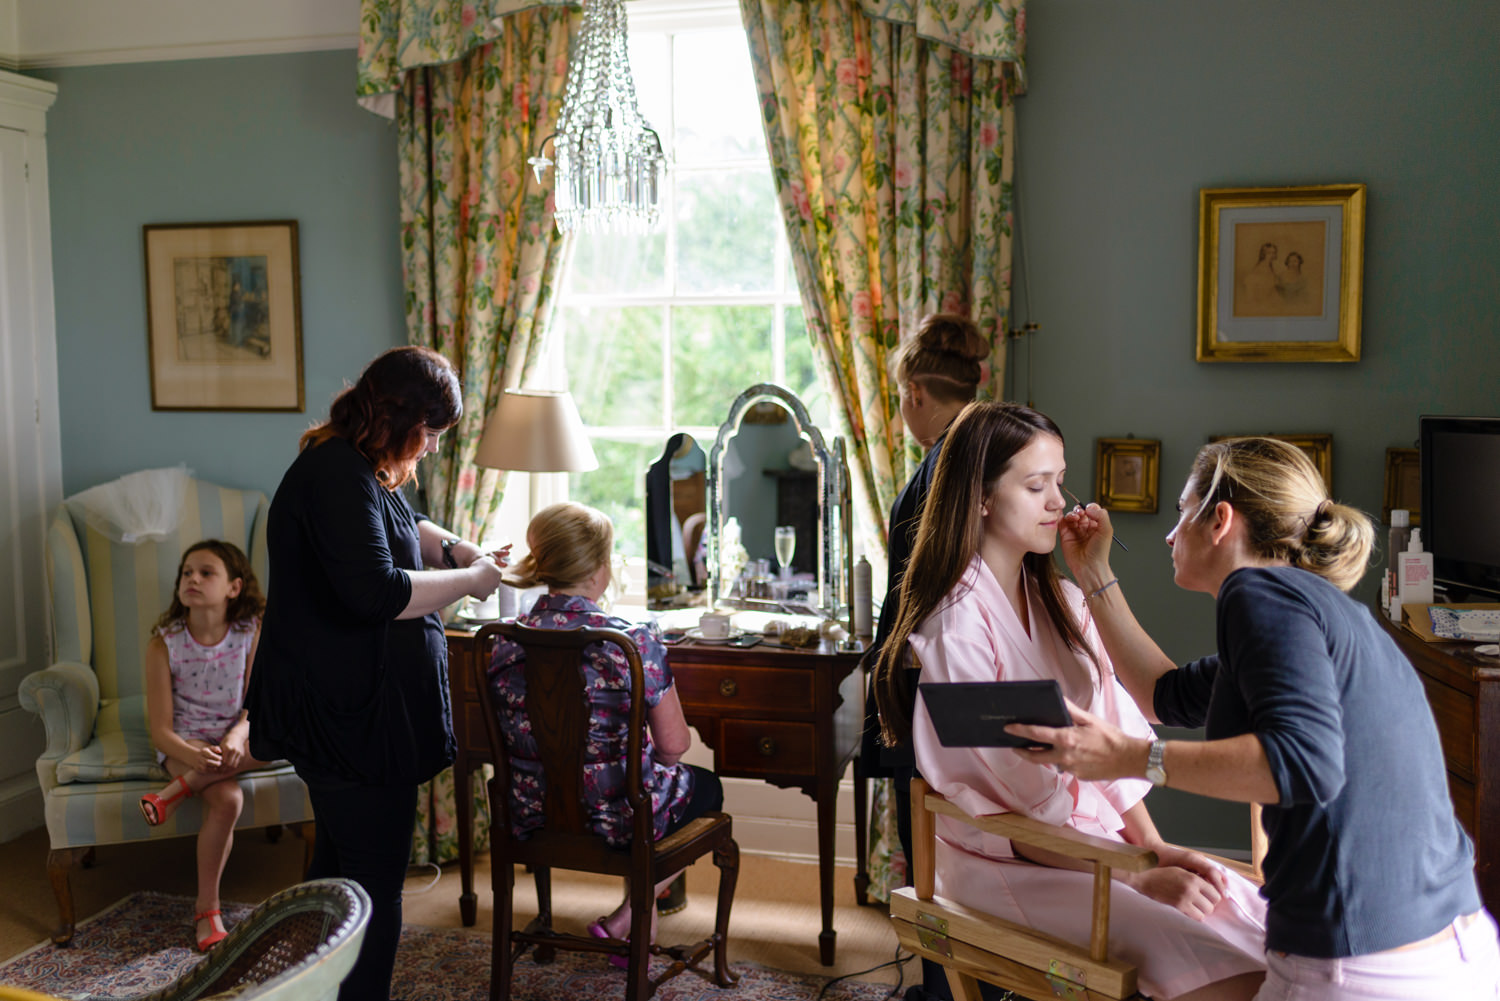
(893, 154)
(481, 257)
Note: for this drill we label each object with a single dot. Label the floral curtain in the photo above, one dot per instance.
(472, 97)
(890, 129)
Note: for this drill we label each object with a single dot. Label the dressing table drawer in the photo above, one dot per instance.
(727, 688)
(767, 747)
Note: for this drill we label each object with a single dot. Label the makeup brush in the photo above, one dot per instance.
(1081, 504)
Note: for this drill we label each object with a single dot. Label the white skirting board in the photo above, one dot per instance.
(783, 823)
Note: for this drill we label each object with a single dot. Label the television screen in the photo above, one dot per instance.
(1461, 501)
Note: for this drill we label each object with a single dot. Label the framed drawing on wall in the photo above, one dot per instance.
(1280, 273)
(1319, 448)
(1403, 484)
(224, 316)
(1126, 472)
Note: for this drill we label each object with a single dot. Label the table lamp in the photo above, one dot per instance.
(534, 431)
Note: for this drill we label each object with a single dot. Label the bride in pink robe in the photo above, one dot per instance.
(982, 602)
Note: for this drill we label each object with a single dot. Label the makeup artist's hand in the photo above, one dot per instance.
(1085, 534)
(1093, 749)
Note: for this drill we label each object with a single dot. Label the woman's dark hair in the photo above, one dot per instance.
(400, 395)
(244, 607)
(978, 449)
(944, 357)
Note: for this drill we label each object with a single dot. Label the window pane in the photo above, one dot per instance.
(718, 109)
(802, 375)
(614, 364)
(618, 488)
(618, 263)
(649, 54)
(726, 231)
(717, 353)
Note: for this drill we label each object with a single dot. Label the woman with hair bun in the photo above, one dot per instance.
(937, 373)
(1308, 708)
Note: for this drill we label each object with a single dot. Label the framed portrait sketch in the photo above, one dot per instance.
(1126, 472)
(224, 316)
(1280, 273)
(1319, 448)
(1403, 484)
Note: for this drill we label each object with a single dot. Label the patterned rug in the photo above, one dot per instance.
(142, 944)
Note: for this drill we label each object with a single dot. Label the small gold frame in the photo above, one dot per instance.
(1126, 473)
(1319, 448)
(1403, 484)
(1253, 305)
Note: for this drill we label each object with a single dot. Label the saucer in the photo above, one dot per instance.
(468, 616)
(696, 634)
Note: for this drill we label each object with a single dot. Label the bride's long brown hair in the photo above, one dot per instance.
(978, 449)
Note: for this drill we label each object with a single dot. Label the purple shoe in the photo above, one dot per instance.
(596, 929)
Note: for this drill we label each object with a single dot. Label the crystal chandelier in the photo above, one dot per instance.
(609, 161)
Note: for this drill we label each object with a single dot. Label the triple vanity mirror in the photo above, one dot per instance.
(762, 521)
(776, 508)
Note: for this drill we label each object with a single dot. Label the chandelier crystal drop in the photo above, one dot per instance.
(610, 163)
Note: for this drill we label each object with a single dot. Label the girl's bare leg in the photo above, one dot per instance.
(618, 922)
(222, 803)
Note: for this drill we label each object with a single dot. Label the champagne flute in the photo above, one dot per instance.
(786, 545)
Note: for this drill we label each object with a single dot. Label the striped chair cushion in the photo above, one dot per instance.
(121, 748)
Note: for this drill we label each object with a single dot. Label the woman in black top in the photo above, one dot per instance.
(938, 370)
(351, 678)
(1308, 708)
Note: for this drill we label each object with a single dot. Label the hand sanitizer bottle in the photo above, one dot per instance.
(1416, 572)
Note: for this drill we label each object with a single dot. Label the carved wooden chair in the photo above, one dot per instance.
(557, 702)
(98, 760)
(973, 945)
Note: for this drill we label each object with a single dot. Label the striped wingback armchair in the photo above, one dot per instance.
(106, 596)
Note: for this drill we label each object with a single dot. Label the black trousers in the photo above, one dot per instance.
(708, 796)
(364, 834)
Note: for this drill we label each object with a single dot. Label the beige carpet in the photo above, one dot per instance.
(775, 920)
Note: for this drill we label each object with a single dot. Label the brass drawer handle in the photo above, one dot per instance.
(728, 688)
(766, 747)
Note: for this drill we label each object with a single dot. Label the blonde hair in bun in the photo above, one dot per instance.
(1284, 502)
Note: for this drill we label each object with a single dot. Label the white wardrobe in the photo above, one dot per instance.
(30, 444)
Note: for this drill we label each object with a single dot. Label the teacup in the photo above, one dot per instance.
(714, 626)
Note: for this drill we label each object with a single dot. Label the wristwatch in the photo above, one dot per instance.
(1156, 769)
(448, 545)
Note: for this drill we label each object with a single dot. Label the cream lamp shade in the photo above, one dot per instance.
(536, 431)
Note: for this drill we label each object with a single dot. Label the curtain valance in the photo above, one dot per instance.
(396, 36)
(983, 29)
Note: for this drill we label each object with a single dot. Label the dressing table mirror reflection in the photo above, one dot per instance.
(771, 474)
(676, 522)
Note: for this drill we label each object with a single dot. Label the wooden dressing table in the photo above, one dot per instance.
(787, 717)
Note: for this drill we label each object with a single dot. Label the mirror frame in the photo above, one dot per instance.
(828, 492)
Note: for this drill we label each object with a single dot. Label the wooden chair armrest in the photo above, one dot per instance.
(1053, 838)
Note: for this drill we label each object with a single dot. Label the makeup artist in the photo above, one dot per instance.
(1308, 708)
(351, 677)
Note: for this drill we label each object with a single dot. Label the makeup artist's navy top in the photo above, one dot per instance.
(1365, 852)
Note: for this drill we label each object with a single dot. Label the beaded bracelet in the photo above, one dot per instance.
(1112, 582)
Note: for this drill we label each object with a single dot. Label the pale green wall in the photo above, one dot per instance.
(268, 137)
(1133, 107)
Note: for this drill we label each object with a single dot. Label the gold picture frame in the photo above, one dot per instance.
(1403, 484)
(1280, 273)
(1127, 472)
(1319, 448)
(224, 316)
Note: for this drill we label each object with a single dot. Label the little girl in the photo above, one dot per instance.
(197, 666)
